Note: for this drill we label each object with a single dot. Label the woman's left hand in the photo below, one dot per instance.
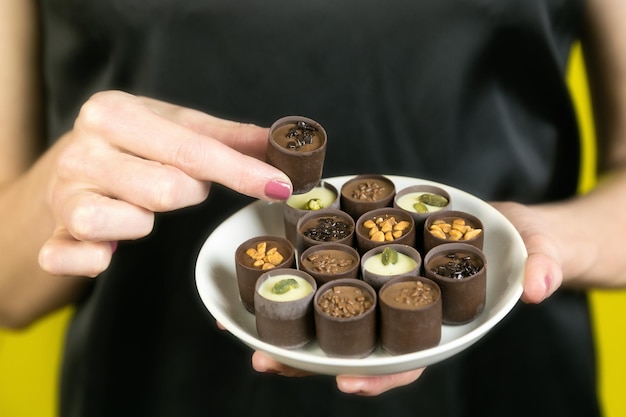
(351, 384)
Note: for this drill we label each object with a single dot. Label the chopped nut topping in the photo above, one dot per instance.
(387, 229)
(457, 230)
(265, 259)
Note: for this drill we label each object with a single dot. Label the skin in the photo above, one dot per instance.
(64, 213)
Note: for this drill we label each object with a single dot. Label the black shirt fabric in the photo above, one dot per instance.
(466, 92)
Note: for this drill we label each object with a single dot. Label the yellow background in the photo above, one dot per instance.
(29, 360)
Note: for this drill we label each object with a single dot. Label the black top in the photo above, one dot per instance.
(466, 92)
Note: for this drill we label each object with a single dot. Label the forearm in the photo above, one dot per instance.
(590, 230)
(594, 255)
(21, 123)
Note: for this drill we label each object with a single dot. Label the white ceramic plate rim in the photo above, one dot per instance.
(217, 286)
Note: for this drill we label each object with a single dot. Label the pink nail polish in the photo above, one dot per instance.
(278, 190)
(548, 283)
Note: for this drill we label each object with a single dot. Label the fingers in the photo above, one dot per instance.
(360, 385)
(543, 273)
(89, 216)
(64, 255)
(264, 363)
(245, 138)
(148, 184)
(165, 140)
(128, 158)
(377, 384)
(87, 235)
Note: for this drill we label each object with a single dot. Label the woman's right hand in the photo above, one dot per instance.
(130, 157)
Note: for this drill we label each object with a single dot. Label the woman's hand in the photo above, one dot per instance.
(129, 157)
(350, 384)
(544, 267)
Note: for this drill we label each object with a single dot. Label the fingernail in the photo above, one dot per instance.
(548, 283)
(113, 246)
(278, 190)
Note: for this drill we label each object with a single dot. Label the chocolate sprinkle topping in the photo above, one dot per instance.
(328, 229)
(302, 134)
(457, 268)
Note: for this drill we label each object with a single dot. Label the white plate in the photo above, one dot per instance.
(217, 286)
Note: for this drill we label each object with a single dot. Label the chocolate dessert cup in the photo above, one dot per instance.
(410, 315)
(283, 319)
(421, 201)
(297, 146)
(329, 261)
(346, 332)
(324, 226)
(471, 231)
(366, 192)
(249, 263)
(407, 263)
(323, 195)
(460, 270)
(396, 226)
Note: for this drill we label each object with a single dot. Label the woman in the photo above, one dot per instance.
(137, 94)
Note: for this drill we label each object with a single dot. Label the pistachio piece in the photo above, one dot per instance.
(284, 285)
(420, 207)
(314, 204)
(389, 256)
(433, 199)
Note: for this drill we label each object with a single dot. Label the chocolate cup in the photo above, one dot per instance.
(247, 273)
(287, 324)
(463, 298)
(420, 218)
(356, 207)
(364, 243)
(404, 329)
(304, 168)
(291, 214)
(322, 277)
(430, 241)
(311, 219)
(378, 280)
(353, 337)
